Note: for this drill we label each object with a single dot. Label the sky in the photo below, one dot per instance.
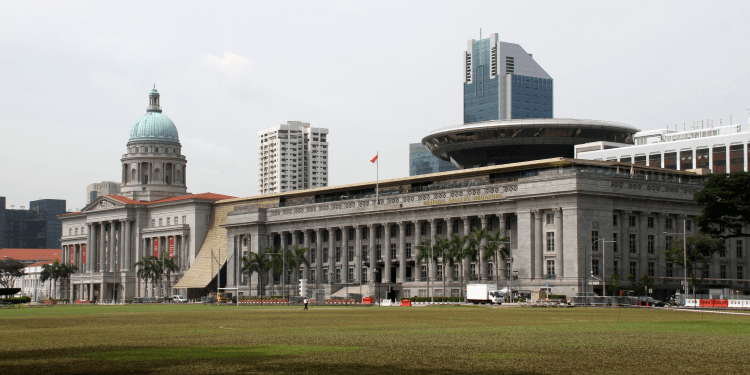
(75, 76)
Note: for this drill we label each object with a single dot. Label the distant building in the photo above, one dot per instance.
(35, 228)
(503, 82)
(722, 149)
(30, 283)
(421, 161)
(96, 190)
(292, 156)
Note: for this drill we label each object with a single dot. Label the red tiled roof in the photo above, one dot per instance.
(32, 254)
(209, 196)
(70, 213)
(37, 264)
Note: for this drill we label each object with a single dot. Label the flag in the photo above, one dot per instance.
(373, 159)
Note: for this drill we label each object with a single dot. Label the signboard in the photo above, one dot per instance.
(156, 247)
(83, 254)
(72, 255)
(473, 198)
(171, 247)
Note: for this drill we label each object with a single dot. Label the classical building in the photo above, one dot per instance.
(292, 156)
(154, 215)
(503, 82)
(101, 188)
(563, 218)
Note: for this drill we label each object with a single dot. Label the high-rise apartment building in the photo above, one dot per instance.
(292, 156)
(102, 188)
(503, 82)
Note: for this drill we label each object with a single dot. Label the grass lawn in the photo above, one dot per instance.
(188, 339)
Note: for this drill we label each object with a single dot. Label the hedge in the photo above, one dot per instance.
(16, 300)
(557, 296)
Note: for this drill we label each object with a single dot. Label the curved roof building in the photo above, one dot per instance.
(509, 141)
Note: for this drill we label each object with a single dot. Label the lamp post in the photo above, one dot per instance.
(36, 282)
(604, 264)
(377, 288)
(684, 258)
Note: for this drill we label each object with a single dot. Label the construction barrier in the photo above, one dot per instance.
(405, 302)
(367, 300)
(720, 303)
(706, 303)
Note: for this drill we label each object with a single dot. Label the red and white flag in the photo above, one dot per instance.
(373, 159)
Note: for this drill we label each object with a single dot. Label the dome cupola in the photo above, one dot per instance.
(153, 125)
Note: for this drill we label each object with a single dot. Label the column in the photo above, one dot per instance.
(417, 241)
(331, 273)
(387, 253)
(306, 245)
(642, 243)
(121, 244)
(483, 274)
(295, 242)
(433, 262)
(401, 277)
(358, 253)
(373, 255)
(344, 255)
(538, 266)
(660, 245)
(102, 253)
(318, 256)
(446, 271)
(501, 267)
(128, 248)
(85, 268)
(467, 260)
(185, 243)
(559, 243)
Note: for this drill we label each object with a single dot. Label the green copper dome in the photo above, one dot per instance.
(154, 126)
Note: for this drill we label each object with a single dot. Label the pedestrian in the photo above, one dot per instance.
(305, 304)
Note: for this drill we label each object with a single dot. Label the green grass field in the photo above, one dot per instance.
(189, 339)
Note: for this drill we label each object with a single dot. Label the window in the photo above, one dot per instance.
(549, 219)
(550, 241)
(338, 234)
(668, 243)
(350, 254)
(631, 221)
(633, 247)
(595, 267)
(439, 228)
(70, 231)
(325, 255)
(550, 267)
(616, 266)
(160, 222)
(455, 226)
(408, 250)
(507, 225)
(379, 251)
(740, 272)
(723, 251)
(184, 219)
(423, 229)
(393, 251)
(440, 272)
(338, 255)
(723, 271)
(76, 231)
(650, 246)
(364, 275)
(338, 274)
(614, 242)
(670, 270)
(737, 245)
(394, 231)
(378, 233)
(424, 272)
(669, 224)
(706, 272)
(313, 256)
(153, 222)
(365, 255)
(688, 224)
(364, 234)
(614, 220)
(351, 273)
(651, 269)
(325, 235)
(595, 240)
(650, 222)
(455, 271)
(176, 221)
(454, 292)
(633, 268)
(351, 234)
(312, 275)
(408, 230)
(167, 221)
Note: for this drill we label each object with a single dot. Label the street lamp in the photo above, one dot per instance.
(684, 259)
(604, 264)
(377, 288)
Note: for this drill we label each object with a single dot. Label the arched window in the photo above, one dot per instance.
(133, 175)
(157, 174)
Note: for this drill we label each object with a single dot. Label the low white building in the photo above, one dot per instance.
(31, 284)
(722, 149)
(292, 156)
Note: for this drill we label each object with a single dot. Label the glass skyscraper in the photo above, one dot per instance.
(421, 161)
(502, 82)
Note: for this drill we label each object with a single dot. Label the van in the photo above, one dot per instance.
(178, 299)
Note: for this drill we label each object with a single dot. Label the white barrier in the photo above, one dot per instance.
(735, 303)
(692, 303)
(385, 302)
(746, 303)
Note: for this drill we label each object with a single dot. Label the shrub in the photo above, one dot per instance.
(557, 296)
(16, 300)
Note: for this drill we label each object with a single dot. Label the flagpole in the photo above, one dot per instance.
(377, 178)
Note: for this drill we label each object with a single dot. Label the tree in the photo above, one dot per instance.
(64, 270)
(276, 266)
(297, 257)
(254, 262)
(167, 266)
(426, 253)
(457, 250)
(700, 251)
(147, 269)
(493, 250)
(641, 285)
(49, 273)
(613, 284)
(440, 250)
(725, 205)
(476, 244)
(10, 270)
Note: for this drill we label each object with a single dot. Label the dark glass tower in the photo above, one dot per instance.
(502, 82)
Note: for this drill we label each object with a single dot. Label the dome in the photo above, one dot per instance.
(154, 126)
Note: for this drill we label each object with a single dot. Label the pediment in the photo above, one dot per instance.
(103, 203)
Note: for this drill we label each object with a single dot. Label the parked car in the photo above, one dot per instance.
(651, 301)
(178, 299)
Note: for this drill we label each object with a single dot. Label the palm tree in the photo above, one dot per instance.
(167, 267)
(440, 249)
(276, 266)
(493, 251)
(457, 250)
(426, 253)
(48, 273)
(254, 262)
(64, 271)
(297, 257)
(147, 269)
(479, 235)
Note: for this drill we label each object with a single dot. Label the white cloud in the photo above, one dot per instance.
(231, 64)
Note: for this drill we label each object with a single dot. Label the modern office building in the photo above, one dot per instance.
(721, 149)
(292, 156)
(102, 188)
(503, 82)
(422, 161)
(35, 228)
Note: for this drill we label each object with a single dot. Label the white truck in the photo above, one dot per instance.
(484, 293)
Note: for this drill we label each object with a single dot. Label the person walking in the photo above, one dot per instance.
(305, 304)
